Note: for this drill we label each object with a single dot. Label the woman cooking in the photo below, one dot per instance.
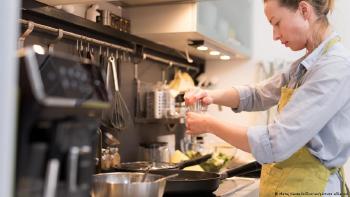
(304, 148)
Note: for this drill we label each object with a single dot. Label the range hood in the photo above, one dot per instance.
(220, 25)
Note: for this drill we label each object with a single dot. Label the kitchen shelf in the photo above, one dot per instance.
(56, 18)
(180, 120)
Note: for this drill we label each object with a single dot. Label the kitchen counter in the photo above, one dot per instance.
(231, 187)
(239, 187)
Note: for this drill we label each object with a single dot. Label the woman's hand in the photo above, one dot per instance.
(236, 135)
(198, 123)
(198, 94)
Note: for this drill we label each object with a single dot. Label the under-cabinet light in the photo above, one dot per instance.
(214, 53)
(39, 49)
(225, 57)
(202, 48)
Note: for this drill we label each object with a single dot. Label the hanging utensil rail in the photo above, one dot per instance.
(170, 63)
(77, 36)
(106, 44)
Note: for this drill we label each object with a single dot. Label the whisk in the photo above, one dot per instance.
(118, 117)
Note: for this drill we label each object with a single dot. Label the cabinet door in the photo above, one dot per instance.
(228, 21)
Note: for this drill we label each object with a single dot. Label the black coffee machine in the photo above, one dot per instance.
(61, 97)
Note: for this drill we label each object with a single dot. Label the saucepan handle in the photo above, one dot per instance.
(242, 170)
(195, 161)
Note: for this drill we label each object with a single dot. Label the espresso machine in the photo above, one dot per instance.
(61, 98)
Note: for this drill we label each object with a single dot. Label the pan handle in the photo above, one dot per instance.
(245, 169)
(193, 162)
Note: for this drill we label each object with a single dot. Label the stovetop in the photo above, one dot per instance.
(227, 188)
(190, 195)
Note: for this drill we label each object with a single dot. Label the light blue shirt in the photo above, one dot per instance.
(317, 115)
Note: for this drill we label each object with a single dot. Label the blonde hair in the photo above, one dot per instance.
(321, 7)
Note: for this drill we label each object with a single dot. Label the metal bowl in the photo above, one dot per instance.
(144, 165)
(121, 184)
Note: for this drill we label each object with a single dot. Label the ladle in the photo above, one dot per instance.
(146, 173)
(167, 177)
(110, 140)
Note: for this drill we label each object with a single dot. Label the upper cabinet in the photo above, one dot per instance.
(227, 22)
(209, 29)
(224, 26)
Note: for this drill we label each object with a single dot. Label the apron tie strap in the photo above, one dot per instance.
(341, 175)
(344, 187)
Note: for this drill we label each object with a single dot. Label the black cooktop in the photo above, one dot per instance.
(190, 195)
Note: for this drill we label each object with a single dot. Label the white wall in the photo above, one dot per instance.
(265, 49)
(8, 19)
(340, 20)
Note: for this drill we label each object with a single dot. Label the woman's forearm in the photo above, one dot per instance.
(226, 97)
(232, 133)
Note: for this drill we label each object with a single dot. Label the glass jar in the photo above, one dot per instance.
(154, 152)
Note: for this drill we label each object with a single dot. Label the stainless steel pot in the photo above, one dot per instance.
(106, 18)
(144, 165)
(154, 152)
(122, 184)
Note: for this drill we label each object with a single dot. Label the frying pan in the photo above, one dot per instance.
(140, 166)
(194, 182)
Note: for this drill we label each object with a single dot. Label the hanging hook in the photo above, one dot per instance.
(29, 30)
(188, 58)
(188, 68)
(92, 48)
(82, 45)
(116, 53)
(59, 37)
(81, 49)
(170, 64)
(163, 77)
(129, 57)
(87, 49)
(77, 47)
(125, 56)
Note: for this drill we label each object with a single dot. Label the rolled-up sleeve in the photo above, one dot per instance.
(263, 95)
(260, 145)
(244, 98)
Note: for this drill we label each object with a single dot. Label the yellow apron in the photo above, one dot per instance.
(302, 174)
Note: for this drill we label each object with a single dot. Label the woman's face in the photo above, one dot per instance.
(289, 26)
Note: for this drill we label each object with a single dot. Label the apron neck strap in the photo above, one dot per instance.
(330, 44)
(325, 50)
